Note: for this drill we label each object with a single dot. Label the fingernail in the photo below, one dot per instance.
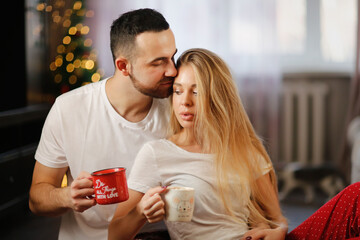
(163, 189)
(248, 238)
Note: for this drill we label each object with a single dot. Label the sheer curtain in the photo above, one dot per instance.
(242, 32)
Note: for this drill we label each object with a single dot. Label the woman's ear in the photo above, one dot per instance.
(122, 65)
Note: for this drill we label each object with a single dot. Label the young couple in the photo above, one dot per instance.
(211, 147)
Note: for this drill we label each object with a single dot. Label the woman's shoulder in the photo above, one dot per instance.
(155, 149)
(156, 144)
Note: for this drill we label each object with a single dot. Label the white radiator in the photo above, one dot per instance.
(304, 122)
(303, 138)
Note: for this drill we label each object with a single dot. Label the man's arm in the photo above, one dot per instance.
(47, 198)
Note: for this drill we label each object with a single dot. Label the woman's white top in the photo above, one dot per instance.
(162, 163)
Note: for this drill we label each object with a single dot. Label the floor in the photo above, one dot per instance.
(25, 225)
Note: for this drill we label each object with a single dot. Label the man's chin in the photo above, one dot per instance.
(159, 94)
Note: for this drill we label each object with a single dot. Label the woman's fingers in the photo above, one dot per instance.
(157, 216)
(153, 204)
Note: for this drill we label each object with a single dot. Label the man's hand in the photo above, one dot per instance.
(81, 193)
(48, 198)
(152, 206)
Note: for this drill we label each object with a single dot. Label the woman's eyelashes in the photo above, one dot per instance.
(177, 91)
(180, 91)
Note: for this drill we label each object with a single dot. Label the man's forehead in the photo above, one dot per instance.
(156, 44)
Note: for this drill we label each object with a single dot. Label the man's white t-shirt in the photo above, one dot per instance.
(85, 133)
(162, 163)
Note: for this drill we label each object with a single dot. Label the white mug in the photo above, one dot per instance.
(179, 203)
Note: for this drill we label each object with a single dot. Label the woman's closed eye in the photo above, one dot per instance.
(177, 91)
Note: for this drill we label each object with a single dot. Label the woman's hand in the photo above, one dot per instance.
(261, 233)
(152, 206)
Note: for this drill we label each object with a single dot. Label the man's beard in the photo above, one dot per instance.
(158, 92)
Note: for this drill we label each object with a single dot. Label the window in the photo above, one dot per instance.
(291, 26)
(338, 30)
(317, 36)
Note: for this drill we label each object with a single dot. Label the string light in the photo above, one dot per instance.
(81, 13)
(75, 62)
(40, 7)
(95, 77)
(68, 12)
(56, 19)
(89, 64)
(85, 30)
(67, 23)
(72, 79)
(52, 66)
(69, 57)
(58, 78)
(72, 30)
(60, 48)
(58, 62)
(48, 9)
(77, 5)
(90, 13)
(88, 42)
(66, 40)
(79, 26)
(70, 67)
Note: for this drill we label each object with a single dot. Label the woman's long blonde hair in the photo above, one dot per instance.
(222, 128)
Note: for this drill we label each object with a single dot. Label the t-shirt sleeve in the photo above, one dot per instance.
(144, 173)
(50, 151)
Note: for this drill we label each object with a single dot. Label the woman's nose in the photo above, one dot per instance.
(186, 100)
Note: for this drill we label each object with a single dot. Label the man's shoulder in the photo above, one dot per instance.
(87, 89)
(77, 101)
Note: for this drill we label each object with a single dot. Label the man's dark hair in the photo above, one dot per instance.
(125, 29)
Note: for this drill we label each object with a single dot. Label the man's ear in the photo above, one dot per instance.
(122, 64)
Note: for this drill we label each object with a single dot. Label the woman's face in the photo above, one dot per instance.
(184, 96)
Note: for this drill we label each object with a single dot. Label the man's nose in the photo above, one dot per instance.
(171, 71)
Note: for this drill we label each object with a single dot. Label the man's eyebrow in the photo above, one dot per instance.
(159, 59)
(163, 58)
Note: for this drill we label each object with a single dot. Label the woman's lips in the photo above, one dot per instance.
(187, 116)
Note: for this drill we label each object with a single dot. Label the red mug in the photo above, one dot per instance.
(110, 185)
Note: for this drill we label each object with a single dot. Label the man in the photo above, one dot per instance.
(104, 124)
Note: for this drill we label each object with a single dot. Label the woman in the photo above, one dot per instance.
(213, 148)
